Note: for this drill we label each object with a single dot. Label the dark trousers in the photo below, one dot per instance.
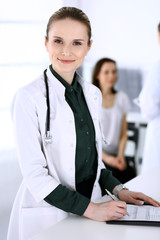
(127, 174)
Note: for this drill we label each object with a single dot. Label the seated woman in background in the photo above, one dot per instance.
(115, 105)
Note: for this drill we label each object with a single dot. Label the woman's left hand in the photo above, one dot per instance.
(137, 198)
(121, 163)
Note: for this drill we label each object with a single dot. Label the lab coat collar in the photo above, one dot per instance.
(88, 89)
(54, 83)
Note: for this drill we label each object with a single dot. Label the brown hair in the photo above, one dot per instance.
(97, 69)
(72, 13)
(159, 27)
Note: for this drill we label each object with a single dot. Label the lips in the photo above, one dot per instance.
(66, 61)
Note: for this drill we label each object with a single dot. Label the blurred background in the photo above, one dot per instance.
(124, 30)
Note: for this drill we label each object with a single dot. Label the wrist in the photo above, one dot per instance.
(118, 188)
(121, 155)
(89, 211)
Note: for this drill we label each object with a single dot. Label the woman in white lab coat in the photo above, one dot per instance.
(150, 107)
(62, 175)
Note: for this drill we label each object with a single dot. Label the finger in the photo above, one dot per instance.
(121, 205)
(122, 211)
(151, 201)
(119, 213)
(138, 202)
(141, 198)
(117, 216)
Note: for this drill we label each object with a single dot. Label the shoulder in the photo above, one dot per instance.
(31, 89)
(123, 101)
(122, 96)
(88, 85)
(91, 92)
(29, 95)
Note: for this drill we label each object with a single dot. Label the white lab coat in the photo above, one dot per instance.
(43, 166)
(150, 106)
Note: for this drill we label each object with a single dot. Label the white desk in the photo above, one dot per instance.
(79, 228)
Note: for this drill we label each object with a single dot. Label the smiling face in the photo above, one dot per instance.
(108, 75)
(67, 45)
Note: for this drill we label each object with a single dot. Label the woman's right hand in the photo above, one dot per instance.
(106, 211)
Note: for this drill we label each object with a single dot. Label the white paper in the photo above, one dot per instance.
(142, 213)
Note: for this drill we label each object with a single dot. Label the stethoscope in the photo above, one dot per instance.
(48, 137)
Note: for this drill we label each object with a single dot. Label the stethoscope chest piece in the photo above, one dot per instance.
(48, 138)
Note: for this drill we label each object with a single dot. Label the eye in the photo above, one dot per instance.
(114, 71)
(58, 41)
(77, 43)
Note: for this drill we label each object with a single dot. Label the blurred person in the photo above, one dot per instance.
(149, 102)
(115, 105)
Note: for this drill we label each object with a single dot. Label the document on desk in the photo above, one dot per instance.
(140, 215)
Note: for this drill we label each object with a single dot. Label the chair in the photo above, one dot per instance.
(133, 136)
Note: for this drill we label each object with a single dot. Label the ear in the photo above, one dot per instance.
(89, 47)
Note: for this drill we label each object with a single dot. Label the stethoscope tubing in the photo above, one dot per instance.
(48, 137)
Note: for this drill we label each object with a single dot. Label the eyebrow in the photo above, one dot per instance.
(82, 40)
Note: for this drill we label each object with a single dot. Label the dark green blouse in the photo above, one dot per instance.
(86, 153)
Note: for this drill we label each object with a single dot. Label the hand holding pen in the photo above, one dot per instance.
(113, 197)
(106, 211)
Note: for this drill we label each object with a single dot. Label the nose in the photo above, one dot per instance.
(66, 50)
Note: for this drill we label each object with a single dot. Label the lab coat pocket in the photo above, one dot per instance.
(35, 220)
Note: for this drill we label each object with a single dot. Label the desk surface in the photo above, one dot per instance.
(75, 227)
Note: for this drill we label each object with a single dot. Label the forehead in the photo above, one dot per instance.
(67, 27)
(108, 65)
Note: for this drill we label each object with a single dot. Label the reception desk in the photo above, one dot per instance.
(80, 228)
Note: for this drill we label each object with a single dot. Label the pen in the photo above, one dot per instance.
(113, 197)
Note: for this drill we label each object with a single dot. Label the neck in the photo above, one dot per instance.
(106, 92)
(67, 76)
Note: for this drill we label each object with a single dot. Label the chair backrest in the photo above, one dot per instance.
(133, 136)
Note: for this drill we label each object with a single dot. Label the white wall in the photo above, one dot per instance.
(125, 30)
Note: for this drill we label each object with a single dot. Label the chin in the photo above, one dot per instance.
(66, 68)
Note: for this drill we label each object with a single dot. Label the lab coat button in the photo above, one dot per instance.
(95, 98)
(71, 145)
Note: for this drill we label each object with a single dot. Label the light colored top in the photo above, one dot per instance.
(112, 120)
